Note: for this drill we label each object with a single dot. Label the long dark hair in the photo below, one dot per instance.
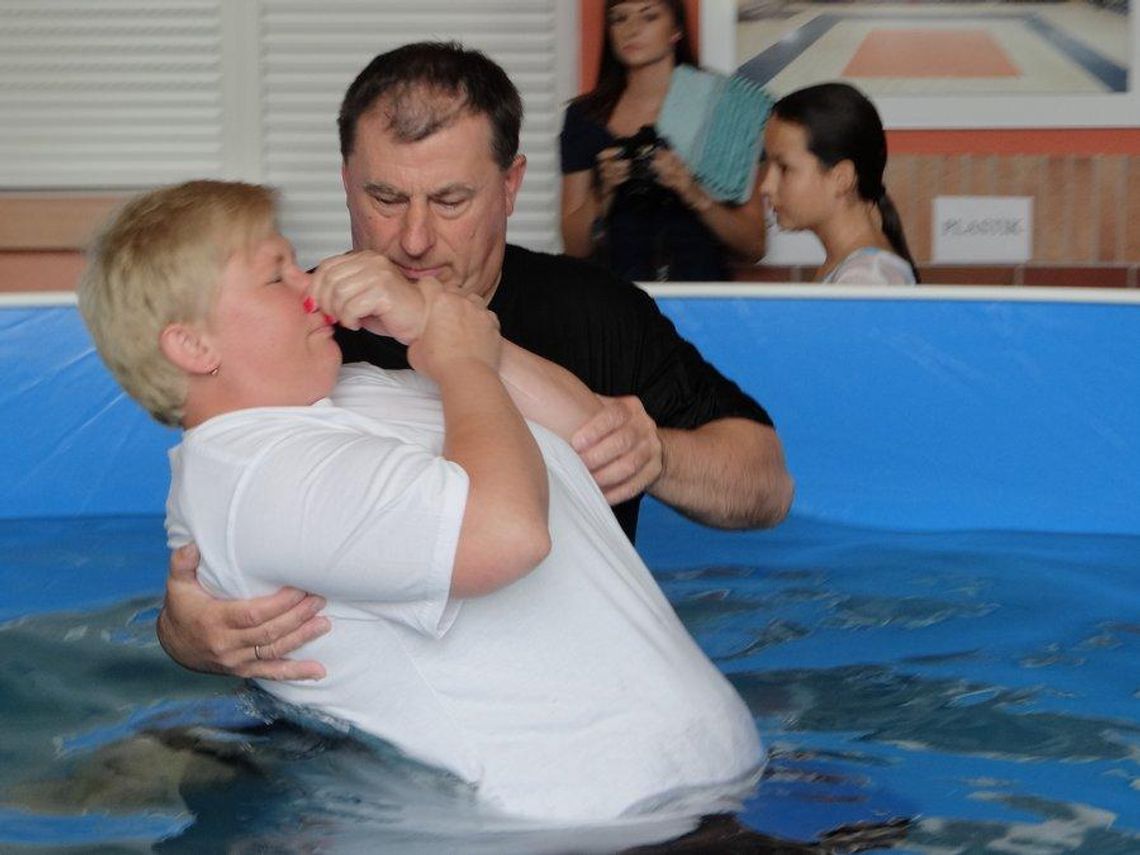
(599, 102)
(842, 124)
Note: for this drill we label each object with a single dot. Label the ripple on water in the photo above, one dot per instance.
(992, 693)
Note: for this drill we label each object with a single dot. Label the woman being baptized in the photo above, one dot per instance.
(489, 617)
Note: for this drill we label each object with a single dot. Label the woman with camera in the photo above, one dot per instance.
(628, 201)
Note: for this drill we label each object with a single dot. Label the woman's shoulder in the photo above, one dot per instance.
(871, 266)
(577, 121)
(248, 431)
(578, 111)
(582, 138)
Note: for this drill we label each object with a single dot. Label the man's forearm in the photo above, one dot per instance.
(729, 473)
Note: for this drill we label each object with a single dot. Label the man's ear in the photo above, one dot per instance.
(188, 348)
(512, 180)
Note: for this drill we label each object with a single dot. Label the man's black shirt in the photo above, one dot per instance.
(603, 329)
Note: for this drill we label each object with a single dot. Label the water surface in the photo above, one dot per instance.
(983, 683)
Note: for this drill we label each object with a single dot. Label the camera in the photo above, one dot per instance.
(639, 150)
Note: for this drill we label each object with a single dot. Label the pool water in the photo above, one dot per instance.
(983, 683)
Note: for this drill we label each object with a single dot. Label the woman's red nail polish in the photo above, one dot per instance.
(309, 304)
(330, 320)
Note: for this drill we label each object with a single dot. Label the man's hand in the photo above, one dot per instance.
(621, 448)
(241, 638)
(365, 290)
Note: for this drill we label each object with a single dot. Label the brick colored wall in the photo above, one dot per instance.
(1081, 203)
(1086, 215)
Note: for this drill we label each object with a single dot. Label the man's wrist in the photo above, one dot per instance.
(663, 461)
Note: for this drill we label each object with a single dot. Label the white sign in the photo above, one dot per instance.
(972, 229)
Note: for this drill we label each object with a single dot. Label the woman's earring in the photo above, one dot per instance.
(214, 370)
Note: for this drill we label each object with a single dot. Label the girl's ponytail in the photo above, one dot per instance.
(893, 229)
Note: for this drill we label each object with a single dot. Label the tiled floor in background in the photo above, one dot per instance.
(915, 49)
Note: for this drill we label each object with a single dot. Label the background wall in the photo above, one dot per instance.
(592, 14)
(103, 98)
(43, 235)
(1085, 182)
(1085, 186)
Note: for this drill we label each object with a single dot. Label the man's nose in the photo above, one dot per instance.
(418, 233)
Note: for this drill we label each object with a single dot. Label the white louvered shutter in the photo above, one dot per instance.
(98, 94)
(126, 94)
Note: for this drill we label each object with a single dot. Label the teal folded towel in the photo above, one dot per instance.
(716, 124)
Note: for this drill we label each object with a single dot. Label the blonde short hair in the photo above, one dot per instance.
(156, 263)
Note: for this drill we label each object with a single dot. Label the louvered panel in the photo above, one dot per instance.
(311, 52)
(109, 93)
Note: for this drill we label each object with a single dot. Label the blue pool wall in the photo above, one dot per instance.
(895, 412)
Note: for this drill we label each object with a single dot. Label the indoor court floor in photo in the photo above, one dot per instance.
(914, 49)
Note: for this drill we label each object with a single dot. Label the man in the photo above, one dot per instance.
(429, 139)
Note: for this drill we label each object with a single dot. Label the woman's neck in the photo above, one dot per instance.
(208, 396)
(201, 407)
(852, 228)
(641, 100)
(649, 81)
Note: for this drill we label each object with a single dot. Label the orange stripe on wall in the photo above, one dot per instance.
(592, 15)
(40, 271)
(1085, 141)
(51, 221)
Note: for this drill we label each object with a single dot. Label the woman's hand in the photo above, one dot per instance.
(365, 290)
(741, 228)
(673, 174)
(458, 329)
(613, 171)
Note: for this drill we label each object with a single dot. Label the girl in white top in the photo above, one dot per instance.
(826, 153)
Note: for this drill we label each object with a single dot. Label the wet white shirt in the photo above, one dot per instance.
(573, 694)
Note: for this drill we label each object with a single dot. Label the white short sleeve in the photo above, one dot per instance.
(369, 521)
(872, 267)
